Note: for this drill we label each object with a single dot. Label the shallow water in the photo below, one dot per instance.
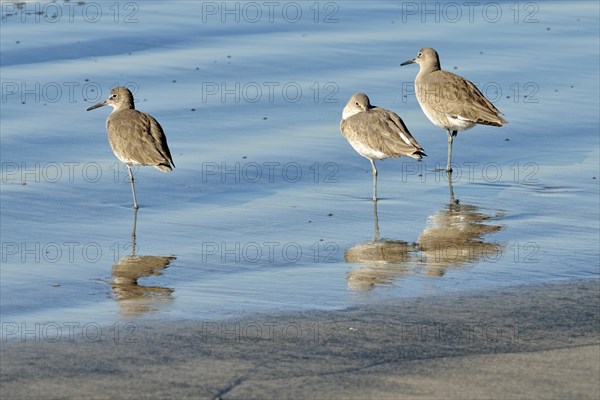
(269, 208)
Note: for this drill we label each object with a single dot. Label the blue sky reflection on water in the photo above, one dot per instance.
(267, 197)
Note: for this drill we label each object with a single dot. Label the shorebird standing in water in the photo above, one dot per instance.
(135, 137)
(449, 101)
(376, 133)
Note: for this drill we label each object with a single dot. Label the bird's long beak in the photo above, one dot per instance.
(101, 104)
(408, 62)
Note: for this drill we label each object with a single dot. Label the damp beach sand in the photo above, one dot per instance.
(539, 342)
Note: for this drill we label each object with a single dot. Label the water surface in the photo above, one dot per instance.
(269, 208)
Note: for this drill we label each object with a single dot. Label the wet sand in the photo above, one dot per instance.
(250, 223)
(524, 342)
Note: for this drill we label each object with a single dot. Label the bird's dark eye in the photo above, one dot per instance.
(114, 96)
(419, 55)
(356, 103)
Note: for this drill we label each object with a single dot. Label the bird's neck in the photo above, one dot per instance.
(427, 68)
(348, 112)
(123, 107)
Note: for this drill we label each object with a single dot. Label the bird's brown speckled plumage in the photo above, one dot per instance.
(376, 133)
(450, 101)
(135, 137)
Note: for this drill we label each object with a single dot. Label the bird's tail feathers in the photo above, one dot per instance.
(418, 154)
(165, 167)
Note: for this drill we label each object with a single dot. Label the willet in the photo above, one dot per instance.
(376, 133)
(449, 101)
(135, 137)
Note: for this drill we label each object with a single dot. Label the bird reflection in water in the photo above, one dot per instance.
(132, 297)
(384, 260)
(453, 238)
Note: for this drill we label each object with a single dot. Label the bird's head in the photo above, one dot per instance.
(426, 58)
(359, 102)
(119, 98)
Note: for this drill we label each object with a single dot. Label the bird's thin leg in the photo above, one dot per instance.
(135, 204)
(376, 219)
(450, 187)
(450, 140)
(374, 180)
(133, 234)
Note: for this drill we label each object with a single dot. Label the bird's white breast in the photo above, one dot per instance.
(366, 151)
(444, 121)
